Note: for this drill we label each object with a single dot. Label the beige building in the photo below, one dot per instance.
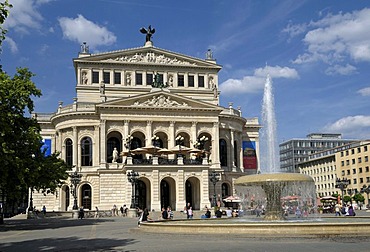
(350, 161)
(129, 101)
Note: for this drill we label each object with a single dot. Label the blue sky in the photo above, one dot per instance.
(317, 52)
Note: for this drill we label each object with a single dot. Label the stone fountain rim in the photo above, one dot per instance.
(273, 177)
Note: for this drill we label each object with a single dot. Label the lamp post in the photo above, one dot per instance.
(75, 180)
(179, 141)
(342, 185)
(31, 198)
(366, 189)
(128, 144)
(133, 177)
(214, 178)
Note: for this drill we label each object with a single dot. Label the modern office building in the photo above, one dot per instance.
(146, 129)
(295, 151)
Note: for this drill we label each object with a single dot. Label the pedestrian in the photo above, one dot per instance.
(144, 216)
(121, 209)
(44, 210)
(81, 213)
(337, 210)
(170, 213)
(208, 213)
(186, 210)
(164, 214)
(190, 213)
(96, 213)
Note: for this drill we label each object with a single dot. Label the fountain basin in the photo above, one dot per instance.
(342, 226)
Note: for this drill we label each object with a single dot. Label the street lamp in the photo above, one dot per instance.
(214, 178)
(133, 177)
(200, 143)
(366, 189)
(128, 144)
(342, 185)
(31, 198)
(179, 141)
(75, 180)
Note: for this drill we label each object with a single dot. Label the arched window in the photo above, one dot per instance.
(86, 151)
(223, 152)
(69, 152)
(113, 142)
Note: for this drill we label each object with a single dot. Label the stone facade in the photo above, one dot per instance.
(140, 98)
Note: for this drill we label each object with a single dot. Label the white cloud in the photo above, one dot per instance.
(339, 37)
(351, 126)
(364, 91)
(82, 30)
(12, 45)
(24, 16)
(342, 70)
(255, 82)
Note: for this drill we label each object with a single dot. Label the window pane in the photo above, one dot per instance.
(95, 77)
(180, 80)
(191, 80)
(106, 77)
(200, 81)
(117, 78)
(149, 79)
(139, 78)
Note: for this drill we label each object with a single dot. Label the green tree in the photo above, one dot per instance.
(24, 164)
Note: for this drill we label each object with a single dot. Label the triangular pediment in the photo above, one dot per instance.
(147, 56)
(160, 99)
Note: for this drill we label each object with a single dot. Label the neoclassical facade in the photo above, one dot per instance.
(157, 113)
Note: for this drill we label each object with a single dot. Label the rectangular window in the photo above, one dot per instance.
(347, 162)
(360, 170)
(366, 158)
(343, 173)
(346, 152)
(361, 180)
(359, 150)
(365, 148)
(367, 169)
(352, 151)
(353, 161)
(139, 79)
(191, 80)
(200, 81)
(359, 160)
(348, 172)
(149, 79)
(106, 77)
(353, 171)
(367, 179)
(342, 163)
(180, 80)
(341, 154)
(95, 77)
(117, 78)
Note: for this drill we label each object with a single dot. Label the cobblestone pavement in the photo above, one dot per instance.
(122, 234)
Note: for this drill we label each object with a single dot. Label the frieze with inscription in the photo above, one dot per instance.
(150, 57)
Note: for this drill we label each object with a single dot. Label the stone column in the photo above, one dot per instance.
(103, 154)
(215, 156)
(232, 140)
(193, 132)
(171, 137)
(75, 147)
(181, 199)
(148, 133)
(156, 201)
(96, 144)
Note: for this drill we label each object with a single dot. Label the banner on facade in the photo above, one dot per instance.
(249, 155)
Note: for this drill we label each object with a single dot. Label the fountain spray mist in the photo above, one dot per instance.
(269, 146)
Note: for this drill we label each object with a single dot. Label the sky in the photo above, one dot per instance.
(316, 52)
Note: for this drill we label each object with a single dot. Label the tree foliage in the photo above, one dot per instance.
(24, 164)
(4, 13)
(359, 197)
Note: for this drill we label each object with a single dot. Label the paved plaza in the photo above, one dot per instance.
(122, 234)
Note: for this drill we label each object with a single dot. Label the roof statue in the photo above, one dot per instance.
(149, 32)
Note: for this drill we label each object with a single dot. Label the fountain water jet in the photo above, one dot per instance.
(274, 185)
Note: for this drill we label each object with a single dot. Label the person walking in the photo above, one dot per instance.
(96, 213)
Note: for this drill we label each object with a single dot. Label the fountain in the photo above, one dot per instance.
(268, 189)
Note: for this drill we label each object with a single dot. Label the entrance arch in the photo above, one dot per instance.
(65, 198)
(143, 193)
(86, 196)
(168, 193)
(192, 192)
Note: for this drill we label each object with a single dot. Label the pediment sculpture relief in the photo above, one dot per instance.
(160, 101)
(151, 57)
